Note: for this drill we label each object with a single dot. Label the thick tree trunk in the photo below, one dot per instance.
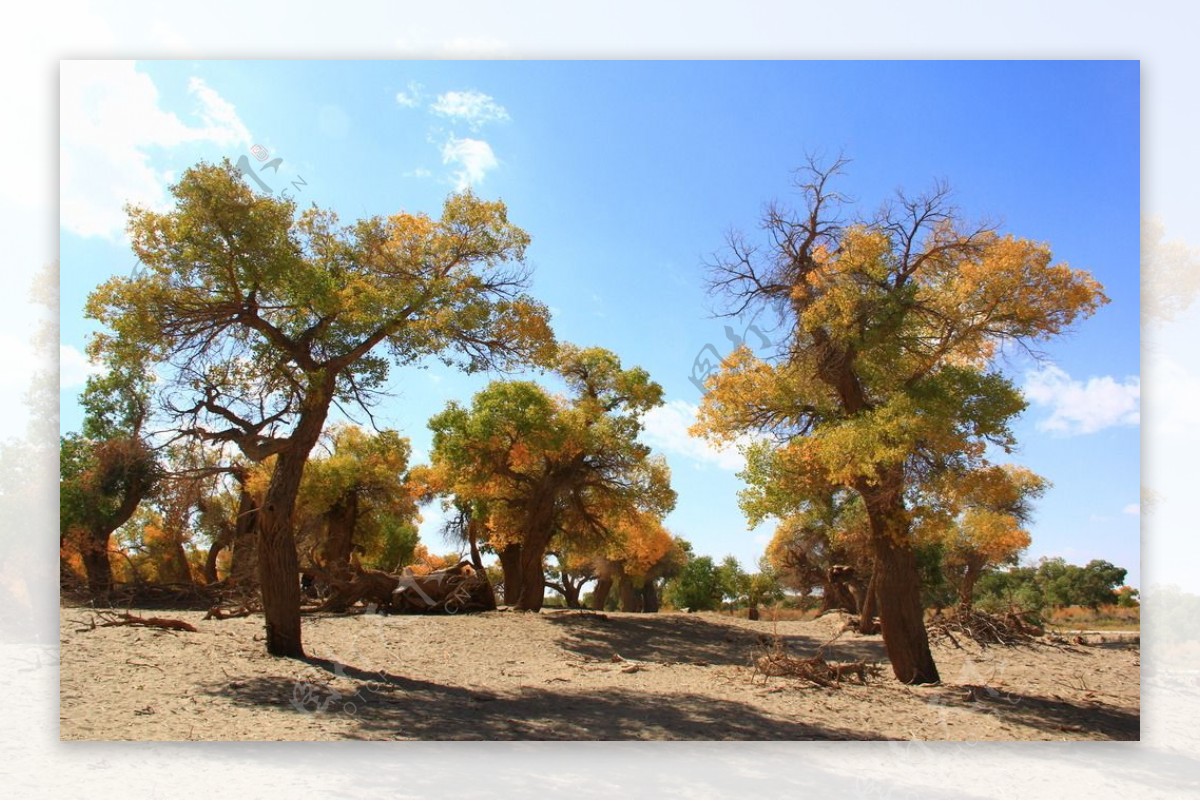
(97, 566)
(631, 596)
(898, 583)
(210, 561)
(243, 550)
(278, 565)
(533, 577)
(600, 593)
(539, 530)
(510, 563)
(966, 592)
(340, 521)
(650, 596)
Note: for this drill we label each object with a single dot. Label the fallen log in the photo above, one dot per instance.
(456, 589)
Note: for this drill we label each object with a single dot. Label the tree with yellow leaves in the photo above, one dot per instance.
(884, 373)
(826, 546)
(996, 505)
(259, 319)
(533, 460)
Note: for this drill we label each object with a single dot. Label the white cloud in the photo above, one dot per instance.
(410, 97)
(222, 125)
(666, 429)
(474, 108)
(1083, 408)
(110, 120)
(74, 368)
(1132, 509)
(474, 157)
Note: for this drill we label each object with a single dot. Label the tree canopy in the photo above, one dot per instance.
(884, 376)
(258, 318)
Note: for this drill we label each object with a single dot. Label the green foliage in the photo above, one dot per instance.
(733, 581)
(365, 472)
(698, 586)
(102, 481)
(257, 315)
(392, 543)
(1052, 583)
(936, 590)
(535, 460)
(764, 587)
(1127, 597)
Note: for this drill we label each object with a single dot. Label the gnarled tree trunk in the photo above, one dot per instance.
(571, 589)
(94, 554)
(340, 522)
(966, 591)
(898, 582)
(278, 564)
(533, 577)
(243, 554)
(539, 530)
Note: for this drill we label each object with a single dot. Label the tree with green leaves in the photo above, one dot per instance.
(259, 319)
(884, 373)
(536, 460)
(106, 470)
(358, 496)
(698, 587)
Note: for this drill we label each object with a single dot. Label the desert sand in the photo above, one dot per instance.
(569, 675)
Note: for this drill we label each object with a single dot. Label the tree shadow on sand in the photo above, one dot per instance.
(1047, 714)
(691, 639)
(388, 706)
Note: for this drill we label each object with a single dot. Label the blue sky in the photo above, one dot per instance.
(628, 175)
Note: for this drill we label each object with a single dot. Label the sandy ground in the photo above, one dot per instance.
(553, 676)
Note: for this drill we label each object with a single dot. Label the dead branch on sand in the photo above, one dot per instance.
(106, 619)
(1008, 629)
(217, 613)
(814, 669)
